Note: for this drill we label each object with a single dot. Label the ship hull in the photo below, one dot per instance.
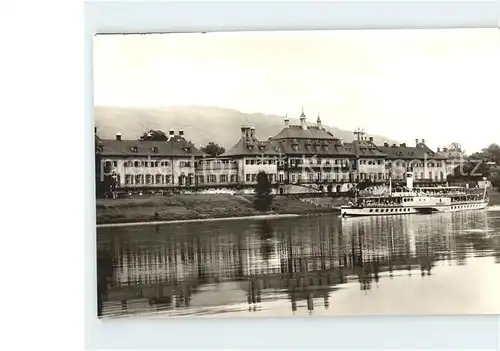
(347, 211)
(379, 211)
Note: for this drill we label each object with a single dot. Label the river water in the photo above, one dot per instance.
(410, 264)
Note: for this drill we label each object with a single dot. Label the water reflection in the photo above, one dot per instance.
(235, 266)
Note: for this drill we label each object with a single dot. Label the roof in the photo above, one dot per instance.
(365, 148)
(450, 154)
(175, 147)
(289, 146)
(253, 146)
(312, 132)
(333, 147)
(420, 151)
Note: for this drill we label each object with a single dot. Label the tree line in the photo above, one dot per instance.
(480, 165)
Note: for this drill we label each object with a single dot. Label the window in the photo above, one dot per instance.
(201, 179)
(184, 164)
(233, 178)
(212, 178)
(254, 177)
(154, 149)
(223, 178)
(148, 179)
(159, 179)
(248, 177)
(293, 177)
(168, 179)
(128, 179)
(139, 179)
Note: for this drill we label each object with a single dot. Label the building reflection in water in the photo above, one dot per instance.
(170, 267)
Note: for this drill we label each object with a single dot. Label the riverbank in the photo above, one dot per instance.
(176, 208)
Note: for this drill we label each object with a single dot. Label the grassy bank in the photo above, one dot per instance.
(189, 207)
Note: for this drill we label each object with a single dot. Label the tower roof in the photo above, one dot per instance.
(302, 115)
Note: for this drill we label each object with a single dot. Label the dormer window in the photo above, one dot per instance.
(154, 149)
(134, 149)
(262, 147)
(295, 147)
(187, 149)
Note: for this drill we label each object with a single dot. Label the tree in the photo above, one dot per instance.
(154, 135)
(455, 147)
(495, 180)
(109, 183)
(471, 170)
(492, 153)
(263, 190)
(365, 184)
(213, 149)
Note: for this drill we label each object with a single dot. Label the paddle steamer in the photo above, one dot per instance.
(410, 200)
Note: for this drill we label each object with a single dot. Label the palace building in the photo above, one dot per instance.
(299, 155)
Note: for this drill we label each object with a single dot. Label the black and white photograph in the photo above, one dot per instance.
(297, 173)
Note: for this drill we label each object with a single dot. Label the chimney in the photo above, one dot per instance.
(181, 132)
(247, 131)
(438, 149)
(252, 132)
(270, 138)
(371, 139)
(303, 123)
(243, 132)
(423, 141)
(416, 141)
(171, 133)
(386, 144)
(95, 130)
(118, 136)
(318, 121)
(287, 121)
(445, 149)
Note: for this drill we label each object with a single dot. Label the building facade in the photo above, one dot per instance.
(301, 155)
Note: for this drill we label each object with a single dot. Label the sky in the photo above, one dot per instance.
(439, 85)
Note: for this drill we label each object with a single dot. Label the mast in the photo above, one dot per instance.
(390, 184)
(484, 193)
